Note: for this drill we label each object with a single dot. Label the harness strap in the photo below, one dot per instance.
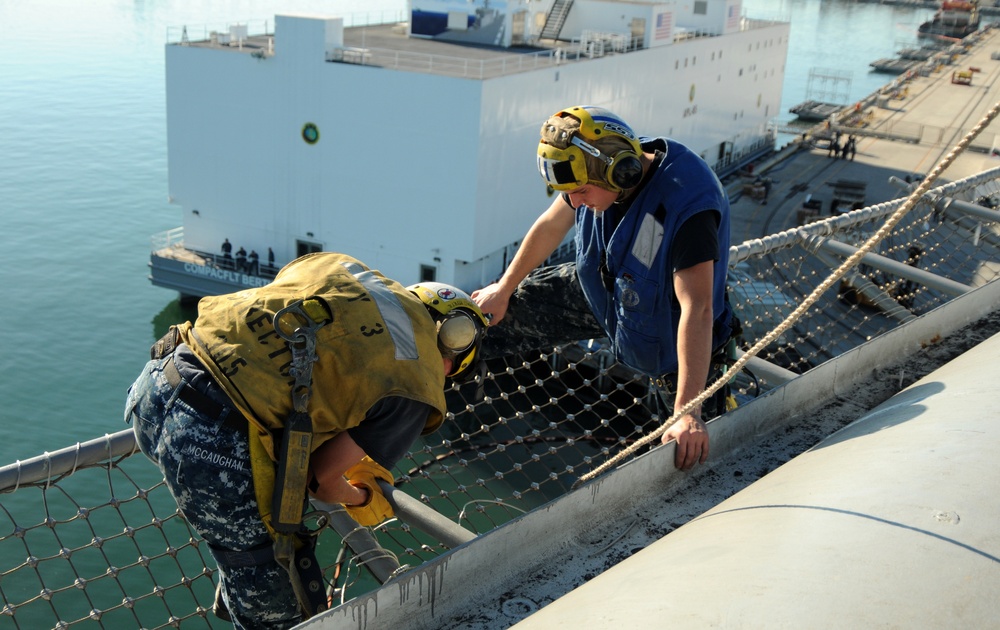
(293, 552)
(307, 578)
(297, 555)
(292, 475)
(722, 360)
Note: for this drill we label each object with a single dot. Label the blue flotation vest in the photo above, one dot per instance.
(641, 321)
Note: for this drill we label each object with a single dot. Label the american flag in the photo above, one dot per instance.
(664, 22)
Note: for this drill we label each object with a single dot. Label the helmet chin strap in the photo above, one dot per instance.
(481, 387)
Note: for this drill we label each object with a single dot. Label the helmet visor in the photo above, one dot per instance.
(562, 169)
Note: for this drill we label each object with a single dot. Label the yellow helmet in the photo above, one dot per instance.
(582, 145)
(460, 324)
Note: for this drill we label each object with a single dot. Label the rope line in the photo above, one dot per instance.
(811, 299)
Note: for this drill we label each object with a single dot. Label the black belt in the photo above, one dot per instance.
(202, 403)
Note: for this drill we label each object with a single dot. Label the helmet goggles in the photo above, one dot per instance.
(566, 169)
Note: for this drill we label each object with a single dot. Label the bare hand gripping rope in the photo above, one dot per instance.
(811, 299)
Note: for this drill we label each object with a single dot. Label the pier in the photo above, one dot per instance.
(901, 130)
(984, 10)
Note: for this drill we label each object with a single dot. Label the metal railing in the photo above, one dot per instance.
(448, 65)
(264, 27)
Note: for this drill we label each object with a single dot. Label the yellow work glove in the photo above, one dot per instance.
(365, 474)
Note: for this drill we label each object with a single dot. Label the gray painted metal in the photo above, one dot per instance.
(773, 374)
(423, 517)
(50, 466)
(890, 522)
(934, 281)
(957, 206)
(481, 570)
(382, 564)
(868, 289)
(951, 205)
(196, 279)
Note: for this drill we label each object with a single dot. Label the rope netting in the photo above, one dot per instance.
(98, 539)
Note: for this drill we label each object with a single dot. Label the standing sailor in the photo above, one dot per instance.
(652, 253)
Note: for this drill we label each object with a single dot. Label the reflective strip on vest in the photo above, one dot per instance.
(396, 320)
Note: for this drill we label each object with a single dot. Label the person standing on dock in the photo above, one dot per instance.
(227, 254)
(313, 385)
(652, 237)
(241, 259)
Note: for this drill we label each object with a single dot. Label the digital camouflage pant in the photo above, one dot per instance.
(205, 462)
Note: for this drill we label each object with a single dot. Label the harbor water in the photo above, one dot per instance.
(838, 38)
(84, 184)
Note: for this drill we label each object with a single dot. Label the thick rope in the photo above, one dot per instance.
(811, 299)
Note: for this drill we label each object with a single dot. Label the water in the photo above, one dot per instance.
(839, 35)
(82, 188)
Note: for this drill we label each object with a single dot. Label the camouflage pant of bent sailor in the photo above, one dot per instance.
(206, 466)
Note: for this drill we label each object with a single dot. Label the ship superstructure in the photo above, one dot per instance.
(409, 143)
